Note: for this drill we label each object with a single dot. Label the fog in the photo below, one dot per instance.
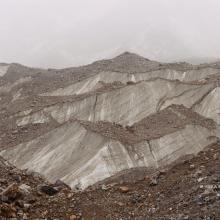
(62, 33)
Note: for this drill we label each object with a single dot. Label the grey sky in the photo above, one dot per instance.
(61, 33)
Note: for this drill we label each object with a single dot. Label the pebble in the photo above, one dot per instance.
(3, 181)
(192, 166)
(73, 217)
(49, 190)
(124, 189)
(12, 192)
(7, 211)
(25, 189)
(17, 178)
(216, 156)
(200, 179)
(120, 203)
(27, 206)
(153, 182)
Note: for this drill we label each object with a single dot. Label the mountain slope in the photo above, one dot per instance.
(85, 124)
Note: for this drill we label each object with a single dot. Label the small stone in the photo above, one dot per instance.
(12, 192)
(45, 212)
(124, 189)
(136, 198)
(216, 156)
(49, 190)
(73, 217)
(39, 193)
(198, 173)
(192, 166)
(70, 195)
(25, 189)
(27, 206)
(33, 173)
(104, 187)
(19, 203)
(147, 178)
(152, 210)
(4, 198)
(61, 184)
(7, 211)
(17, 178)
(153, 182)
(25, 217)
(14, 132)
(215, 178)
(207, 192)
(162, 172)
(200, 179)
(20, 213)
(31, 199)
(120, 203)
(3, 181)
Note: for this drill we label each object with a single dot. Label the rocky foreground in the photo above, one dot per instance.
(188, 189)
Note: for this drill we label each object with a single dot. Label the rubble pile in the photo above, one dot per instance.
(187, 189)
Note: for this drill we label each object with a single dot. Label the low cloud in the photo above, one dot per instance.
(54, 33)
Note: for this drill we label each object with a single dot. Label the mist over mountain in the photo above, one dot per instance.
(71, 33)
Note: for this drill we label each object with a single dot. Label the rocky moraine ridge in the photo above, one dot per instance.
(114, 128)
